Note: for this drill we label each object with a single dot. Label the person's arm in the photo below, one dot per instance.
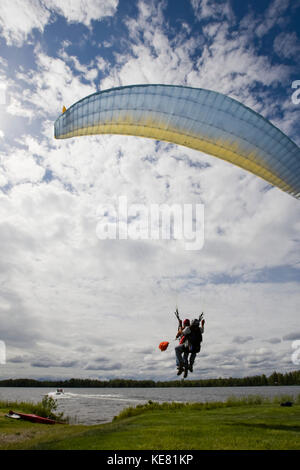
(202, 325)
(179, 332)
(186, 331)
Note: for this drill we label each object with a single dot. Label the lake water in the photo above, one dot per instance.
(100, 405)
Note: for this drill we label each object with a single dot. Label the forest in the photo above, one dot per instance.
(276, 378)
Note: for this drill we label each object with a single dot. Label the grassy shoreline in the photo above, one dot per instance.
(254, 423)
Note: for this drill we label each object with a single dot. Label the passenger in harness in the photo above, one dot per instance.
(182, 334)
(190, 338)
(194, 342)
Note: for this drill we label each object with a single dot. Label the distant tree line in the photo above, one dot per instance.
(290, 378)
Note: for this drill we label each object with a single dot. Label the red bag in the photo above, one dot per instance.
(163, 345)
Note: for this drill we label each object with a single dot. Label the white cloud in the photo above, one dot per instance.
(18, 19)
(225, 62)
(83, 11)
(46, 90)
(273, 340)
(230, 66)
(21, 167)
(242, 339)
(274, 15)
(260, 24)
(204, 9)
(287, 45)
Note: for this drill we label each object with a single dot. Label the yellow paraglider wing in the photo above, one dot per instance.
(200, 119)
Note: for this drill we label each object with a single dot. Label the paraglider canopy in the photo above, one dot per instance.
(200, 119)
(163, 345)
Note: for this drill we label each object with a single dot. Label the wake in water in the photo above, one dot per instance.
(68, 395)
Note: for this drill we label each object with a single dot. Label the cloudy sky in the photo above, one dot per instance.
(72, 305)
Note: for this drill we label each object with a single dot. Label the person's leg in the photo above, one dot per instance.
(178, 355)
(185, 358)
(186, 362)
(191, 361)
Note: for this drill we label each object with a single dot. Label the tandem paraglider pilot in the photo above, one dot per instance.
(190, 339)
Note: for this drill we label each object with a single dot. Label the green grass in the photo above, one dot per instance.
(252, 423)
(46, 408)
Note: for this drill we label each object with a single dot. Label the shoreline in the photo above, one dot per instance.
(253, 423)
(275, 379)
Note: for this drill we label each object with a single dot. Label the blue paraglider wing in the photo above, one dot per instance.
(200, 119)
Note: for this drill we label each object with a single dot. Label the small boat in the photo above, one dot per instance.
(59, 391)
(12, 415)
(31, 417)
